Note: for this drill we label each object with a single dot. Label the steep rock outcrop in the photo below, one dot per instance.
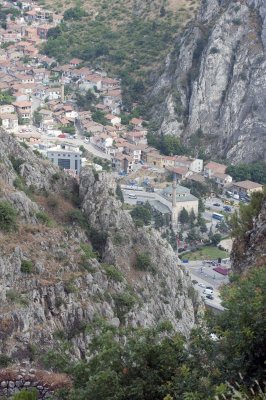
(165, 292)
(250, 251)
(212, 88)
(51, 288)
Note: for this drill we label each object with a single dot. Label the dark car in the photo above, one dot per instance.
(227, 208)
(216, 204)
(209, 296)
(209, 287)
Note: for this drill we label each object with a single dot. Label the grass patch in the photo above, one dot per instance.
(206, 253)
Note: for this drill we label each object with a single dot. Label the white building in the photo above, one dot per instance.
(193, 164)
(66, 157)
(9, 122)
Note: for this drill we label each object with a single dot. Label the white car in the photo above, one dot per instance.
(202, 285)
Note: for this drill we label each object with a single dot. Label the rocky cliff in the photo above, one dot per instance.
(53, 285)
(250, 251)
(211, 91)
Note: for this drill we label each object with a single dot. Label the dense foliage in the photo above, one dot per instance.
(125, 45)
(167, 144)
(255, 172)
(242, 221)
(157, 364)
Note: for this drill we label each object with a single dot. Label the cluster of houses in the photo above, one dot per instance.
(35, 82)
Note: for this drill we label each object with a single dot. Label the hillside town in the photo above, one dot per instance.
(39, 104)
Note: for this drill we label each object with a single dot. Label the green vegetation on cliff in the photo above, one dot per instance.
(160, 364)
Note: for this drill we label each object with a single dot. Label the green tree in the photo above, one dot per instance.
(242, 221)
(142, 213)
(216, 238)
(143, 261)
(7, 216)
(241, 327)
(37, 118)
(119, 193)
(183, 216)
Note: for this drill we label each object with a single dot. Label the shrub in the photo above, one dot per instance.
(143, 262)
(70, 287)
(16, 163)
(124, 302)
(118, 239)
(7, 216)
(214, 50)
(26, 266)
(113, 273)
(55, 177)
(88, 251)
(44, 218)
(77, 216)
(4, 361)
(25, 394)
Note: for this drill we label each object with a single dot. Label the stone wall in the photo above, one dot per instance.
(46, 383)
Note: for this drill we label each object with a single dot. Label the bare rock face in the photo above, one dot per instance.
(50, 289)
(251, 251)
(165, 292)
(212, 90)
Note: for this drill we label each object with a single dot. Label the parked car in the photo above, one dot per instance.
(202, 285)
(194, 282)
(209, 296)
(216, 204)
(209, 287)
(227, 208)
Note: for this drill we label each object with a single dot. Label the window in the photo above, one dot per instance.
(63, 163)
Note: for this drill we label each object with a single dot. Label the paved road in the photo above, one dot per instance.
(204, 274)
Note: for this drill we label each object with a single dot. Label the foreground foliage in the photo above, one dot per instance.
(159, 364)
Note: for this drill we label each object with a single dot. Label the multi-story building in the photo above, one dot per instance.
(193, 164)
(66, 156)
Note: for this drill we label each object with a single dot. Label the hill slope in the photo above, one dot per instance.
(54, 286)
(212, 89)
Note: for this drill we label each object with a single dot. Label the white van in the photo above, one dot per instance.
(132, 196)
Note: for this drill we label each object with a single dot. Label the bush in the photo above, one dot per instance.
(88, 251)
(44, 218)
(77, 216)
(27, 266)
(113, 273)
(70, 287)
(143, 262)
(53, 201)
(7, 216)
(4, 361)
(25, 394)
(124, 302)
(16, 163)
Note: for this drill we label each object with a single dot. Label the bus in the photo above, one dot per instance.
(220, 217)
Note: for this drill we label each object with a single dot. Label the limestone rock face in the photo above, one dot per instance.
(50, 289)
(251, 251)
(212, 89)
(165, 292)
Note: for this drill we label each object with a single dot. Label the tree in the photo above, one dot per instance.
(241, 327)
(119, 193)
(193, 235)
(255, 172)
(37, 118)
(7, 216)
(158, 221)
(183, 216)
(201, 206)
(192, 217)
(142, 213)
(143, 261)
(216, 238)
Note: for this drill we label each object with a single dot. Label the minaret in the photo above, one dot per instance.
(174, 216)
(62, 91)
